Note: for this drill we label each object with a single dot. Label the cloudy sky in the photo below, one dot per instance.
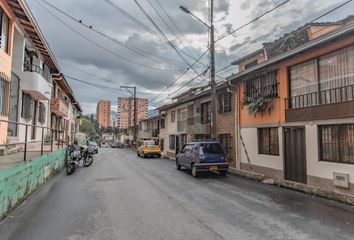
(147, 61)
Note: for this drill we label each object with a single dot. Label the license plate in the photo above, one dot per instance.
(213, 168)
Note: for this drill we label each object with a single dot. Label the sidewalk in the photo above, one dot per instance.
(15, 158)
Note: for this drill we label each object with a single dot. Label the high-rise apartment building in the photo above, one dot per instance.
(104, 113)
(126, 111)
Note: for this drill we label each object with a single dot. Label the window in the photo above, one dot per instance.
(4, 94)
(268, 141)
(225, 140)
(327, 79)
(173, 116)
(201, 137)
(41, 113)
(27, 106)
(337, 143)
(263, 86)
(162, 144)
(211, 148)
(225, 102)
(162, 123)
(172, 142)
(4, 31)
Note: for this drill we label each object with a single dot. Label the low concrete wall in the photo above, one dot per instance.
(19, 181)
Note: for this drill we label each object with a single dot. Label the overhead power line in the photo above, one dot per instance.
(174, 24)
(312, 21)
(180, 76)
(164, 36)
(96, 44)
(253, 20)
(103, 86)
(145, 27)
(120, 43)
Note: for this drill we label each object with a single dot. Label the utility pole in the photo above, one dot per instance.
(212, 73)
(132, 91)
(212, 65)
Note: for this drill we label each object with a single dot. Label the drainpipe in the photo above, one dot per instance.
(237, 129)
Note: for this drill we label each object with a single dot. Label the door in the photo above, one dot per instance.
(204, 112)
(14, 104)
(295, 154)
(34, 122)
(177, 144)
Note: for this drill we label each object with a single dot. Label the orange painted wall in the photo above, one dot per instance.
(277, 115)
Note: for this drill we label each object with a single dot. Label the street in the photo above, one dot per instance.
(125, 197)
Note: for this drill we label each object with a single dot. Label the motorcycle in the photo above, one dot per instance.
(85, 154)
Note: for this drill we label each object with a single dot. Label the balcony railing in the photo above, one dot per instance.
(182, 126)
(155, 132)
(334, 95)
(60, 107)
(203, 119)
(37, 69)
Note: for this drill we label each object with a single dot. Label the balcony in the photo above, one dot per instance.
(155, 132)
(182, 126)
(199, 125)
(36, 83)
(60, 107)
(326, 104)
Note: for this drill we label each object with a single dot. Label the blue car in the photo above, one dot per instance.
(203, 157)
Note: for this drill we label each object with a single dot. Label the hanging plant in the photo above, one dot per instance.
(260, 104)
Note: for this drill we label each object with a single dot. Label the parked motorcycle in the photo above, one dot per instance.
(78, 154)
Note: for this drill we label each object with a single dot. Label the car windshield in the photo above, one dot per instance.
(211, 148)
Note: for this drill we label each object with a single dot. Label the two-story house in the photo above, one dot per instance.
(296, 112)
(188, 119)
(149, 128)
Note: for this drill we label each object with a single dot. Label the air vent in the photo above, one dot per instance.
(341, 180)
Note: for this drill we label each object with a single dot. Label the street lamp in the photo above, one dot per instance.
(212, 64)
(132, 91)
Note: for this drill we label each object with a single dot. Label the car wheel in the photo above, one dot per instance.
(159, 155)
(223, 173)
(138, 154)
(194, 171)
(178, 166)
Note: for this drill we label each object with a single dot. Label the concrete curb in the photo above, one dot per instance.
(339, 197)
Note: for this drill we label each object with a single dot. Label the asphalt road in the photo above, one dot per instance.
(124, 197)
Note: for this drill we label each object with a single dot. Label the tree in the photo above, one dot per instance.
(88, 128)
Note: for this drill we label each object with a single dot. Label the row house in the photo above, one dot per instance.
(33, 91)
(295, 107)
(149, 128)
(189, 119)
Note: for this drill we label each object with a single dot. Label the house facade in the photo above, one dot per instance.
(149, 128)
(189, 119)
(296, 112)
(35, 94)
(7, 19)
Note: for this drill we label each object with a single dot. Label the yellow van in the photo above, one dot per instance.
(149, 148)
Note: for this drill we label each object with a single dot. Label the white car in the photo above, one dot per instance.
(104, 145)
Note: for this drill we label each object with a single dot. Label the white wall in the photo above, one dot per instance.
(318, 168)
(251, 142)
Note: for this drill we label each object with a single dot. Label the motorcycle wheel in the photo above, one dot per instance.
(70, 168)
(88, 161)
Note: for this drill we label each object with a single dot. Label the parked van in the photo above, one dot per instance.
(202, 157)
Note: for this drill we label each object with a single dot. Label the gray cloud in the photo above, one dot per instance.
(72, 49)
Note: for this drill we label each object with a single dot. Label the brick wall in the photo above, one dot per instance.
(19, 181)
